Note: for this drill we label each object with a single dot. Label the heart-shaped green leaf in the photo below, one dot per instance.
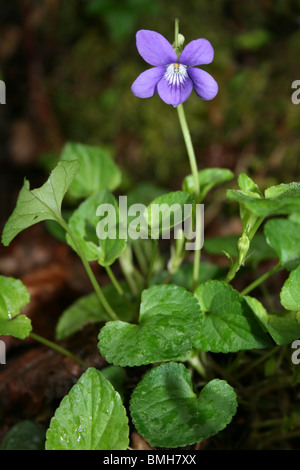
(229, 325)
(96, 245)
(87, 309)
(97, 169)
(90, 417)
(167, 412)
(13, 297)
(40, 204)
(283, 235)
(168, 322)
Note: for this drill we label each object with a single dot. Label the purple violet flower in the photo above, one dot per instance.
(173, 79)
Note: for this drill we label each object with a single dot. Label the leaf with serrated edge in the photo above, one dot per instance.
(40, 204)
(166, 411)
(90, 417)
(229, 325)
(13, 297)
(168, 322)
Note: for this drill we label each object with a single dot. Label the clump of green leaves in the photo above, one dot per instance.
(155, 318)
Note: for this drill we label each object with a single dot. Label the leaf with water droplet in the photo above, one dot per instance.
(90, 417)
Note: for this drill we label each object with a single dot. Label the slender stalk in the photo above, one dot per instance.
(262, 278)
(233, 270)
(58, 348)
(115, 281)
(90, 273)
(194, 169)
(196, 266)
(176, 33)
(190, 149)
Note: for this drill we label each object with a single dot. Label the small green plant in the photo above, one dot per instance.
(167, 315)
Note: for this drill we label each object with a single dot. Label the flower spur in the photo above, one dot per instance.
(173, 79)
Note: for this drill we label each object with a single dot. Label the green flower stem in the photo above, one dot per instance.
(115, 281)
(176, 33)
(196, 268)
(90, 273)
(190, 149)
(261, 279)
(58, 348)
(233, 270)
(194, 169)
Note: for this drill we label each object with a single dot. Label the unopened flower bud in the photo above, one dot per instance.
(180, 40)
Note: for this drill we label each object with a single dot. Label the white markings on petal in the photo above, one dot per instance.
(176, 74)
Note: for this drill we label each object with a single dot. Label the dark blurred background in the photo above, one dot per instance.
(69, 65)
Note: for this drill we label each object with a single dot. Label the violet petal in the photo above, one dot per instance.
(145, 84)
(154, 48)
(197, 52)
(174, 94)
(204, 84)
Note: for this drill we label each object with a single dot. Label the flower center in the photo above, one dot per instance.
(176, 74)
